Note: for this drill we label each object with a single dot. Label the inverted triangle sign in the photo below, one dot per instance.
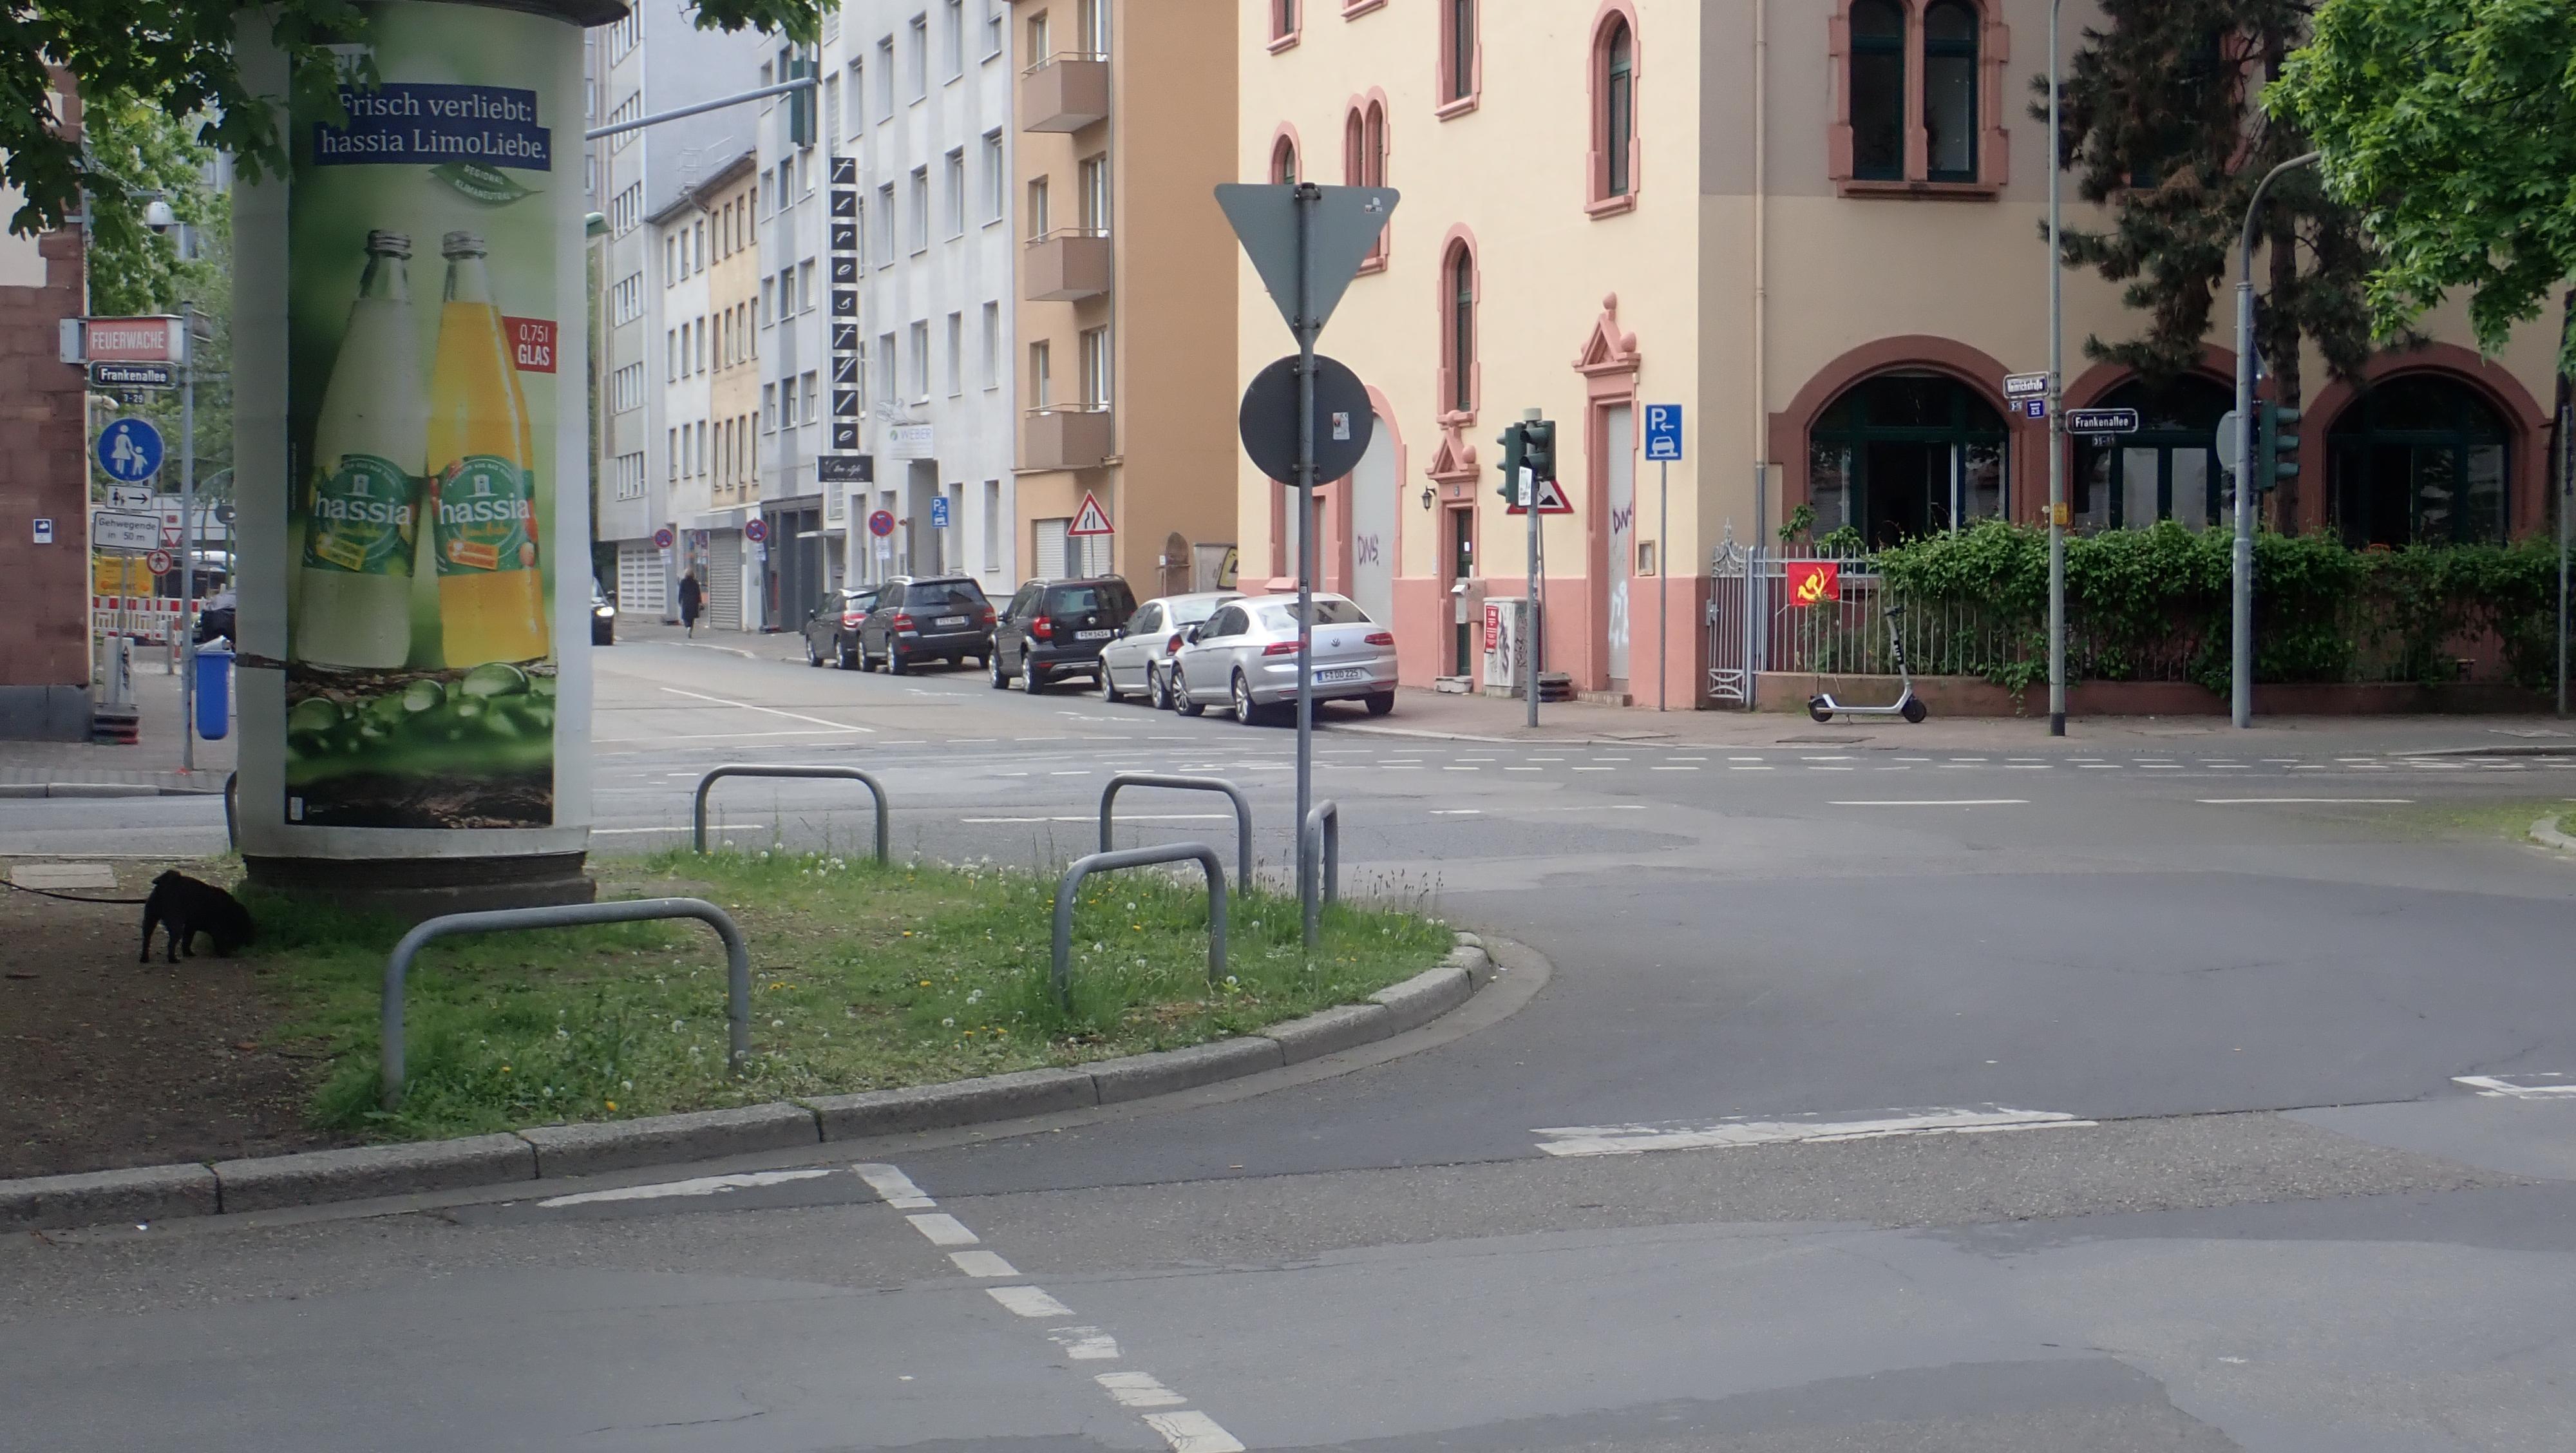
(1346, 224)
(1551, 500)
(1091, 519)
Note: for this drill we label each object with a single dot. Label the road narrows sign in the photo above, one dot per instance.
(1091, 519)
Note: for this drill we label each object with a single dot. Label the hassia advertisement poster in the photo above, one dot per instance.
(423, 546)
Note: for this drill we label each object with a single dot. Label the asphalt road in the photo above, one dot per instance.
(2192, 1030)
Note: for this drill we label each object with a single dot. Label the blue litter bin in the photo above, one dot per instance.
(214, 694)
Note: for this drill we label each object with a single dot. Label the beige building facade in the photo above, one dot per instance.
(1811, 224)
(713, 547)
(1126, 315)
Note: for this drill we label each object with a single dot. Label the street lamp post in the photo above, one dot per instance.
(2056, 407)
(2241, 694)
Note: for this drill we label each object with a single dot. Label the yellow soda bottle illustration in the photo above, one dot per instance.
(491, 595)
(353, 602)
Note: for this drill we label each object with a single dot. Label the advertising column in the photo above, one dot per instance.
(414, 470)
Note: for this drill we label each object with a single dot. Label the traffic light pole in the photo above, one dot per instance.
(1527, 483)
(186, 628)
(2241, 640)
(2056, 407)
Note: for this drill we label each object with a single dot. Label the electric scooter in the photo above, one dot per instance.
(1823, 707)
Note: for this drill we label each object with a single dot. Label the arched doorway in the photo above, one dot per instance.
(2168, 470)
(1373, 506)
(2419, 459)
(1906, 454)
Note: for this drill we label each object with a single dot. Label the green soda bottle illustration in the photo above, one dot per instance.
(362, 502)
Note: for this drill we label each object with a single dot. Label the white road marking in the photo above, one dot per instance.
(1672, 769)
(702, 1186)
(1193, 1432)
(2494, 1085)
(1576, 1140)
(1936, 802)
(982, 1263)
(1029, 1301)
(2286, 801)
(684, 827)
(723, 736)
(1084, 1344)
(1524, 769)
(2099, 766)
(1457, 812)
(894, 1187)
(1139, 1390)
(943, 1229)
(1122, 817)
(1596, 769)
(837, 726)
(1748, 769)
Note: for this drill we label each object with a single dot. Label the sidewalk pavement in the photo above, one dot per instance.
(148, 768)
(1482, 718)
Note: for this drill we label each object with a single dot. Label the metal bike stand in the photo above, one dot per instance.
(1242, 812)
(698, 833)
(566, 915)
(1070, 886)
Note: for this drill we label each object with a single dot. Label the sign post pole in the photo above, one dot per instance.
(185, 629)
(1663, 445)
(1531, 633)
(1307, 195)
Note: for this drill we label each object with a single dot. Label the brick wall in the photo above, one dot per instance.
(44, 601)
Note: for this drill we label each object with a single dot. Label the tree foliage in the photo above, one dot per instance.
(2451, 125)
(178, 56)
(2159, 127)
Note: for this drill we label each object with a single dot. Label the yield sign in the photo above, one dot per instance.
(1551, 499)
(1091, 519)
(1345, 224)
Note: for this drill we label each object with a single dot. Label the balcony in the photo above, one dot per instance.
(1066, 265)
(1066, 436)
(1065, 92)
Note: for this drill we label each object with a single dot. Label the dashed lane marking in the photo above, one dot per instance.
(1084, 1344)
(2494, 1085)
(1028, 1302)
(942, 1229)
(1139, 1390)
(838, 726)
(1935, 802)
(2301, 801)
(1193, 1432)
(894, 1188)
(983, 1264)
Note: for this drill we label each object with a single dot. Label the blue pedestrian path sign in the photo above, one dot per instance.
(129, 450)
(1663, 431)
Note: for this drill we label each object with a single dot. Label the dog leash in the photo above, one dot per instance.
(67, 898)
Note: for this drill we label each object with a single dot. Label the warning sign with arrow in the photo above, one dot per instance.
(1091, 519)
(1551, 499)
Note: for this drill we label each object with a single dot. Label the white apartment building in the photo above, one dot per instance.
(682, 405)
(655, 60)
(918, 92)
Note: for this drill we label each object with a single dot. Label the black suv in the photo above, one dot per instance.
(926, 618)
(1056, 628)
(832, 630)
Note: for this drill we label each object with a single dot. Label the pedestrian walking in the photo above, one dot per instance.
(689, 598)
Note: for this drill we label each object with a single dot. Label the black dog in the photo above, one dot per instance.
(186, 908)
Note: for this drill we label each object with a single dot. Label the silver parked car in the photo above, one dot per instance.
(1245, 657)
(1140, 660)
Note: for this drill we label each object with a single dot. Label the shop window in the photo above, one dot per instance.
(2168, 470)
(1906, 455)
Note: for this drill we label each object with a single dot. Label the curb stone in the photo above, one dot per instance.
(161, 1192)
(2545, 832)
(274, 1181)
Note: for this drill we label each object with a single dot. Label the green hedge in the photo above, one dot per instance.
(2154, 604)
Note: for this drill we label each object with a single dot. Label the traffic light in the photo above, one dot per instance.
(1515, 444)
(1539, 448)
(2276, 449)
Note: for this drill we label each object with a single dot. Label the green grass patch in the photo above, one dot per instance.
(863, 977)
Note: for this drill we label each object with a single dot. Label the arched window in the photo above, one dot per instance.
(1283, 162)
(2419, 459)
(1458, 330)
(1878, 90)
(1950, 90)
(1614, 114)
(1906, 454)
(1364, 163)
(2168, 470)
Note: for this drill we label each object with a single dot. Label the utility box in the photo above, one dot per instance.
(1507, 635)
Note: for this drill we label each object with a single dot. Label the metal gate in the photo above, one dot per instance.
(639, 578)
(1755, 626)
(724, 581)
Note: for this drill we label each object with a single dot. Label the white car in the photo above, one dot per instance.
(1245, 657)
(1139, 660)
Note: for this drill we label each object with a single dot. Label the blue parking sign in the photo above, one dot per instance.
(1663, 431)
(939, 513)
(129, 450)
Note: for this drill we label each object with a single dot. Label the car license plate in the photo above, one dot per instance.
(950, 621)
(1341, 674)
(1091, 635)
